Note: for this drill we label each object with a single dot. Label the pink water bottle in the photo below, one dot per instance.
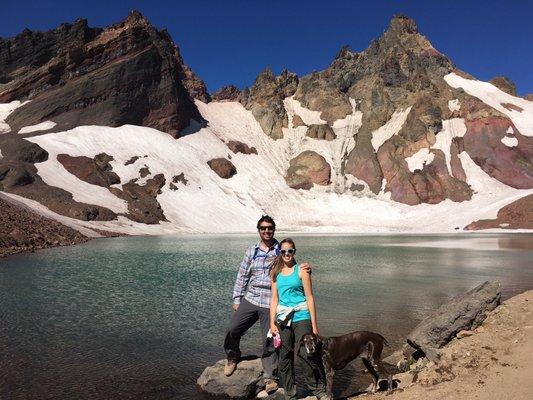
(277, 341)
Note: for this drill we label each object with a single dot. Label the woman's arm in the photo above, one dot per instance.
(308, 290)
(273, 308)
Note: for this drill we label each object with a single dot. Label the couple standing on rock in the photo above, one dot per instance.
(272, 288)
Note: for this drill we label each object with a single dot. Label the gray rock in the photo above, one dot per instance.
(464, 312)
(242, 384)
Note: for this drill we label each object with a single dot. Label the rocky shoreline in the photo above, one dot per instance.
(471, 347)
(22, 230)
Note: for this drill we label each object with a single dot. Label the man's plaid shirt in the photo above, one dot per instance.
(253, 279)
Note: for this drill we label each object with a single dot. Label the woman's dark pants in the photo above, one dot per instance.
(311, 364)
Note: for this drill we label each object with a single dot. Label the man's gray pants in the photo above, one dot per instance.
(246, 315)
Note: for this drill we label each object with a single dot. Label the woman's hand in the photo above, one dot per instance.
(315, 330)
(274, 329)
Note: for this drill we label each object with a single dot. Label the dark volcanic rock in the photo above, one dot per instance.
(18, 175)
(517, 215)
(128, 73)
(223, 168)
(505, 84)
(265, 100)
(180, 178)
(132, 160)
(464, 312)
(96, 171)
(240, 147)
(242, 384)
(323, 131)
(23, 230)
(226, 93)
(306, 169)
(142, 200)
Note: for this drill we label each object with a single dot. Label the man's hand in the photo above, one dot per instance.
(305, 267)
(235, 307)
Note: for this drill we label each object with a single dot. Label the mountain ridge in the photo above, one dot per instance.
(393, 126)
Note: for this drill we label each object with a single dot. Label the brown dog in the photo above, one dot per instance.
(337, 352)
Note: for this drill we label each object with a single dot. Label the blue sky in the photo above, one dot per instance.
(230, 42)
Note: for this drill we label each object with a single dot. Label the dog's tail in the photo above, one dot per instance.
(384, 340)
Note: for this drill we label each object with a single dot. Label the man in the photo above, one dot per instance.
(251, 301)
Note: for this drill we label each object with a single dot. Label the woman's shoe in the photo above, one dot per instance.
(271, 385)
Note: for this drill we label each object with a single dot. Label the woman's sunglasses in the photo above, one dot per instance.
(289, 251)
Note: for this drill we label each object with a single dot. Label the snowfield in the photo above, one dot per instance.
(210, 204)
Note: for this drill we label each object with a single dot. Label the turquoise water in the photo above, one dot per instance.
(141, 317)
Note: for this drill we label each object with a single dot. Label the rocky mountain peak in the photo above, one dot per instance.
(401, 24)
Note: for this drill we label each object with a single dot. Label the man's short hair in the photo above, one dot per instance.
(266, 218)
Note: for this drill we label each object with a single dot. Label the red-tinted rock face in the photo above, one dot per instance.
(322, 132)
(306, 169)
(517, 215)
(129, 73)
(223, 168)
(510, 165)
(95, 171)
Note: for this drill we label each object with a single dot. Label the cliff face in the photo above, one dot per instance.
(398, 84)
(128, 73)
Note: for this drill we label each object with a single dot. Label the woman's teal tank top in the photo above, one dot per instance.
(291, 293)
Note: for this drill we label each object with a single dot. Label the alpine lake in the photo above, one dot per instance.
(141, 317)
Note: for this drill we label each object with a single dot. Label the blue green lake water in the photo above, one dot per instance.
(141, 317)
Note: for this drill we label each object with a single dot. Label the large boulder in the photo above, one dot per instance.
(464, 312)
(306, 169)
(244, 383)
(222, 167)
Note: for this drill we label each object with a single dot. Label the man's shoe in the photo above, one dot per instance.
(271, 385)
(230, 367)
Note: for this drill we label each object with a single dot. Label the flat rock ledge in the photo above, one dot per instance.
(244, 383)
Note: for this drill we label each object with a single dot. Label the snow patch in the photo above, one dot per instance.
(209, 204)
(494, 97)
(5, 110)
(43, 126)
(309, 117)
(510, 130)
(454, 105)
(510, 141)
(391, 128)
(418, 160)
(451, 128)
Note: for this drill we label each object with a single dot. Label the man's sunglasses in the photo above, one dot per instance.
(266, 228)
(289, 251)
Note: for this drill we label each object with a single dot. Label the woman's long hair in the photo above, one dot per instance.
(278, 263)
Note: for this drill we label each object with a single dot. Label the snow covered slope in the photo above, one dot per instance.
(208, 203)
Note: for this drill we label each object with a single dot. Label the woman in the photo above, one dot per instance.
(292, 315)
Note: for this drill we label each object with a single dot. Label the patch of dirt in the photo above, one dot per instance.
(494, 363)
